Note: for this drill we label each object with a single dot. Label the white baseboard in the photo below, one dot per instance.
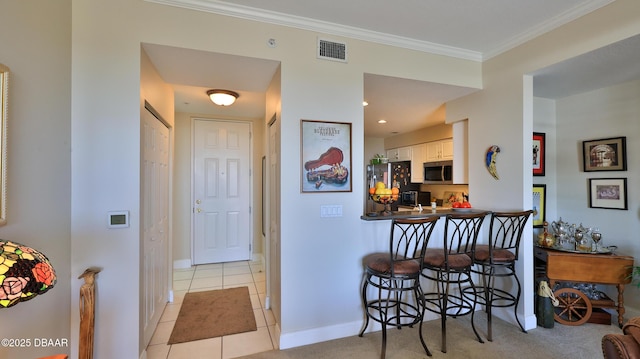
(530, 322)
(317, 335)
(182, 263)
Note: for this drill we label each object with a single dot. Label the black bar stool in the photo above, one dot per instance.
(451, 266)
(497, 259)
(395, 275)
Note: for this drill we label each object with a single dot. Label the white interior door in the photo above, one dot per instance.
(222, 191)
(155, 222)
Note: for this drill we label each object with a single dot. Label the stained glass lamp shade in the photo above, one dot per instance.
(24, 273)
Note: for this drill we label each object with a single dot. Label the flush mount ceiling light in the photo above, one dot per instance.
(222, 97)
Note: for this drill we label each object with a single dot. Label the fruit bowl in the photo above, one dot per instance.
(461, 207)
(385, 200)
(379, 193)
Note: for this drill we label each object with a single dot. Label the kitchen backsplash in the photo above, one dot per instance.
(447, 193)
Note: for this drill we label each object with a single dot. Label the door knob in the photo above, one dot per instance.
(198, 201)
(198, 210)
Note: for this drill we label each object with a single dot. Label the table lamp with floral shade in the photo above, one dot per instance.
(24, 273)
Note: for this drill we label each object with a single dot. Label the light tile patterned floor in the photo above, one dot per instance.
(208, 277)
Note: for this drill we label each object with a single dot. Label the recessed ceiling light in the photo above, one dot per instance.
(382, 121)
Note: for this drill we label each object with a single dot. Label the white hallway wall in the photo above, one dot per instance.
(35, 43)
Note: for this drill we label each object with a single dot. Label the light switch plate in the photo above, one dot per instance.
(333, 210)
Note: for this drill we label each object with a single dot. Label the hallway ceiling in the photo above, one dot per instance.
(466, 29)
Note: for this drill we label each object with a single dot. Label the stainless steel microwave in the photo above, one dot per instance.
(438, 172)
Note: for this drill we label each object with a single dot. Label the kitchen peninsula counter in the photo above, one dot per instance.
(427, 212)
(375, 234)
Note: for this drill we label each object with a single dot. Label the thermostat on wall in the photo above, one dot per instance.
(118, 219)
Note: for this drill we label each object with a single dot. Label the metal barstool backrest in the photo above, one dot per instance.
(409, 239)
(461, 231)
(505, 231)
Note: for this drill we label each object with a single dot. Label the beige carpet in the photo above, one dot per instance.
(508, 342)
(213, 314)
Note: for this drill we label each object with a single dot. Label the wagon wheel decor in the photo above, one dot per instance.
(574, 307)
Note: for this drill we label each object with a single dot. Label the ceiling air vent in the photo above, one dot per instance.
(331, 50)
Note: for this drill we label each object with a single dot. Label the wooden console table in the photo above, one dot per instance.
(608, 269)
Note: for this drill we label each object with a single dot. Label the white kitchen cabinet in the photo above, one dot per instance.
(439, 150)
(392, 154)
(418, 157)
(434, 149)
(399, 154)
(447, 149)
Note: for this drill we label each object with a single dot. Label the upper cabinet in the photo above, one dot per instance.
(418, 156)
(399, 154)
(447, 149)
(439, 150)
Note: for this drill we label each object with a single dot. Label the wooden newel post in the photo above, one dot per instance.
(87, 313)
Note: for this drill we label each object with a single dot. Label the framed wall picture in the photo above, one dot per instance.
(538, 153)
(610, 193)
(607, 154)
(539, 204)
(326, 156)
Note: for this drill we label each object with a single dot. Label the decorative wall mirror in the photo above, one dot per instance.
(4, 95)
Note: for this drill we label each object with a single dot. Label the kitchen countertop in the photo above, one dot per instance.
(425, 207)
(426, 212)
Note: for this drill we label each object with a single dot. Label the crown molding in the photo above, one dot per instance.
(277, 18)
(549, 25)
